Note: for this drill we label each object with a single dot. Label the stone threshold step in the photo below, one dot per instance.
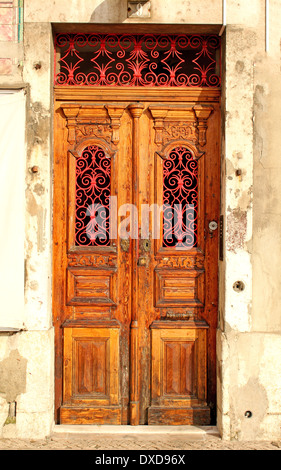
(191, 432)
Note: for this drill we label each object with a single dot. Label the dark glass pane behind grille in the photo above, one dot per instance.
(127, 60)
(180, 199)
(93, 178)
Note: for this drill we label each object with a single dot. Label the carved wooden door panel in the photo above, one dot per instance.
(92, 274)
(136, 187)
(177, 277)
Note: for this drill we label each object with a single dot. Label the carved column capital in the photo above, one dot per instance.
(202, 114)
(136, 110)
(115, 113)
(71, 112)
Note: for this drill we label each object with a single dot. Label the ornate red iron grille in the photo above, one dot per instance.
(144, 60)
(180, 199)
(93, 179)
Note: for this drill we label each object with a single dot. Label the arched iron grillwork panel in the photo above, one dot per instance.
(180, 199)
(143, 60)
(93, 190)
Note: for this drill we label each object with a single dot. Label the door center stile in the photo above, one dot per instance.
(136, 112)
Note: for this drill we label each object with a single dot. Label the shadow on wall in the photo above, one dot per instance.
(110, 11)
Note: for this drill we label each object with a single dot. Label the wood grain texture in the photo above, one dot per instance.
(179, 364)
(90, 286)
(87, 415)
(178, 288)
(198, 416)
(136, 110)
(116, 362)
(91, 364)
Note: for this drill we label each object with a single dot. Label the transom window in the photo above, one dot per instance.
(137, 60)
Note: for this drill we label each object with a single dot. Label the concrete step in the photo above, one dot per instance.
(190, 432)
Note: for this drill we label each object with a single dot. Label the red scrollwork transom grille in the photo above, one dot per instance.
(180, 199)
(93, 181)
(143, 60)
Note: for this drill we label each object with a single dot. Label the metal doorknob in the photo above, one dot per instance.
(213, 225)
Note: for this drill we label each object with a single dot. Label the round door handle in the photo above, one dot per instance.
(213, 225)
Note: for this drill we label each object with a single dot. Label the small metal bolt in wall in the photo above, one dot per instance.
(239, 174)
(35, 169)
(238, 286)
(248, 414)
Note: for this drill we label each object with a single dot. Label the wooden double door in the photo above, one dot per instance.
(135, 258)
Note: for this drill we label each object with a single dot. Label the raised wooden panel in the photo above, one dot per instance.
(179, 368)
(86, 286)
(196, 416)
(91, 366)
(179, 373)
(90, 415)
(92, 361)
(179, 288)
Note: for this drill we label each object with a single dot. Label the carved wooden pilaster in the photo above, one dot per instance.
(202, 114)
(136, 110)
(115, 113)
(159, 115)
(71, 112)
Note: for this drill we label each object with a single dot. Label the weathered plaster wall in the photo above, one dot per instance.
(115, 11)
(266, 222)
(26, 358)
(249, 340)
(26, 377)
(11, 47)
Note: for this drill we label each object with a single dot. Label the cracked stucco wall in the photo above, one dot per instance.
(249, 341)
(249, 323)
(26, 358)
(26, 373)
